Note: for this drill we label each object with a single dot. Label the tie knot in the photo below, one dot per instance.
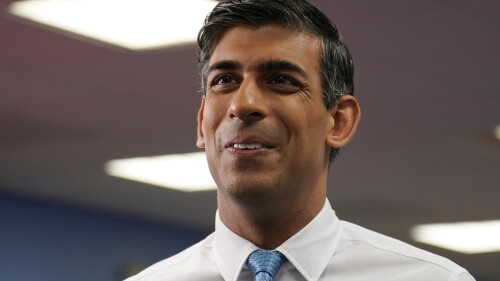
(265, 264)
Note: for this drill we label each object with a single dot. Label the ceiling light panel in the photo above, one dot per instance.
(496, 132)
(186, 172)
(465, 237)
(132, 24)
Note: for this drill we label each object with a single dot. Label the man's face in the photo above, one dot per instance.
(262, 121)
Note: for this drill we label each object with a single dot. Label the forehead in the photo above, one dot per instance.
(250, 46)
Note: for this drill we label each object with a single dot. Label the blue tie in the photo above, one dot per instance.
(265, 264)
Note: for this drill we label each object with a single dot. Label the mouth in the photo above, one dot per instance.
(249, 146)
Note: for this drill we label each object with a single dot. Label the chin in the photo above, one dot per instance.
(250, 189)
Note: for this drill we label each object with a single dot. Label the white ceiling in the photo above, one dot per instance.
(427, 77)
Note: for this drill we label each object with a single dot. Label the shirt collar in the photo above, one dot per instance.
(231, 250)
(309, 250)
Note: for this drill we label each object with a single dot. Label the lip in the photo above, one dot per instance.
(267, 146)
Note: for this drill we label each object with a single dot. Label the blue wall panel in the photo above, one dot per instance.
(42, 241)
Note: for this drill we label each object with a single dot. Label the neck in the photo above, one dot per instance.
(269, 224)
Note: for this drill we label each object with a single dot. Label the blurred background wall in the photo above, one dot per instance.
(41, 240)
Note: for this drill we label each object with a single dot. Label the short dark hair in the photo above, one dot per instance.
(336, 66)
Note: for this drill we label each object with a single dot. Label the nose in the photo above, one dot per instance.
(248, 103)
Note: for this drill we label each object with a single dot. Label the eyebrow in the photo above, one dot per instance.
(224, 65)
(282, 65)
(267, 66)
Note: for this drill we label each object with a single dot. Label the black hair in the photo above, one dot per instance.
(336, 66)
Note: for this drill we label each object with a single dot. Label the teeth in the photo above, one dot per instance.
(247, 145)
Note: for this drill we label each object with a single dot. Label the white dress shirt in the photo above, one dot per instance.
(326, 249)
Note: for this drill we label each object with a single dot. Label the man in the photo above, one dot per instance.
(277, 106)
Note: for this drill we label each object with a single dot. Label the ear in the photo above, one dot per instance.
(345, 118)
(200, 142)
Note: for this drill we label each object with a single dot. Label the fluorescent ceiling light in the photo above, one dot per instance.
(132, 24)
(496, 132)
(464, 237)
(186, 172)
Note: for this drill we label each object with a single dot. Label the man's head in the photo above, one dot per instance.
(336, 67)
(269, 117)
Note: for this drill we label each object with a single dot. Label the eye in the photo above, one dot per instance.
(284, 84)
(223, 79)
(223, 83)
(283, 79)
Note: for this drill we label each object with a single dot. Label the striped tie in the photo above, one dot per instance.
(265, 264)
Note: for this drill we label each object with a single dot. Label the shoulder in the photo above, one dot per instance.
(390, 255)
(193, 261)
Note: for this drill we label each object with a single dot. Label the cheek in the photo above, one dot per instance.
(310, 126)
(304, 119)
(212, 117)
